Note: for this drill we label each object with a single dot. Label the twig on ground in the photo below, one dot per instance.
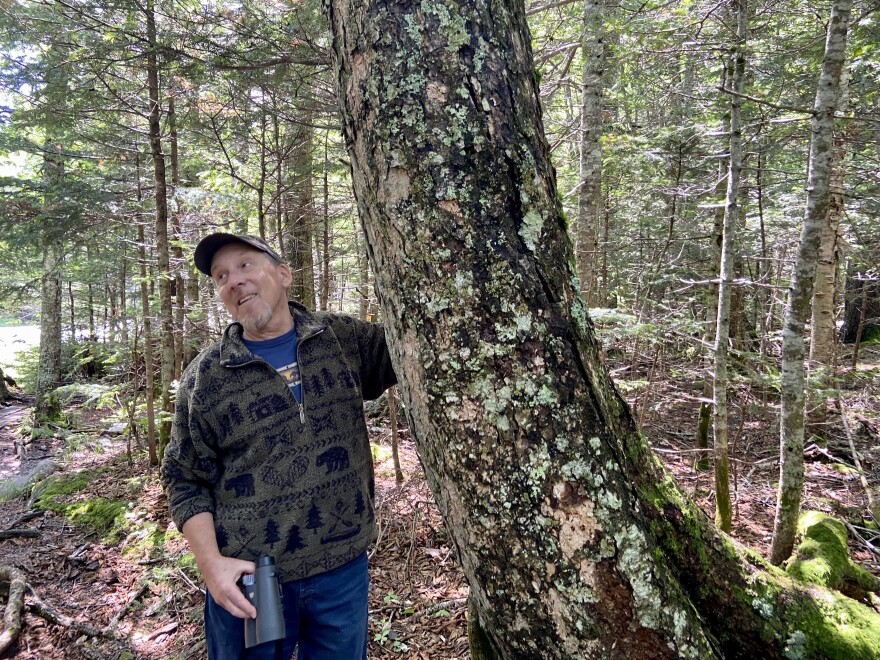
(858, 464)
(165, 630)
(151, 562)
(122, 612)
(190, 582)
(865, 542)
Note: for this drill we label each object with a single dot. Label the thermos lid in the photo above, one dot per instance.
(265, 561)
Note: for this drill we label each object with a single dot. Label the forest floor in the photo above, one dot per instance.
(134, 571)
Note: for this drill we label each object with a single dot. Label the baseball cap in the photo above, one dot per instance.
(208, 246)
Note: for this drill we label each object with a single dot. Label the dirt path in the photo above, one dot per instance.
(10, 418)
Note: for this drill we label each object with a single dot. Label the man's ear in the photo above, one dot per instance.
(286, 275)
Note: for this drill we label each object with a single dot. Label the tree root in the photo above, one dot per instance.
(45, 611)
(18, 586)
(12, 615)
(19, 533)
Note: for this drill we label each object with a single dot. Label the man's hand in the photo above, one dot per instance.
(221, 577)
(221, 573)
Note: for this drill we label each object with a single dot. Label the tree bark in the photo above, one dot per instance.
(49, 365)
(800, 293)
(149, 370)
(823, 329)
(574, 541)
(301, 217)
(5, 394)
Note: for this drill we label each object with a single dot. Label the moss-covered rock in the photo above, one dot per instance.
(822, 558)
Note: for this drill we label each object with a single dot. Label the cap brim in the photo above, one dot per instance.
(207, 248)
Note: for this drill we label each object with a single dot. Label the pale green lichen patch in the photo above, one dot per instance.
(531, 228)
(634, 562)
(796, 646)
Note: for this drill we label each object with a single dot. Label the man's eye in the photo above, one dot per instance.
(220, 277)
(246, 264)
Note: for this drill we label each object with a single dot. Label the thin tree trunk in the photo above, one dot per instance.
(860, 326)
(123, 299)
(148, 330)
(49, 364)
(301, 217)
(162, 247)
(590, 201)
(800, 293)
(704, 420)
(177, 250)
(574, 541)
(325, 233)
(395, 436)
(823, 329)
(723, 511)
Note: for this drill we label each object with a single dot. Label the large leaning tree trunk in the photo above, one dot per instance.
(574, 541)
(800, 291)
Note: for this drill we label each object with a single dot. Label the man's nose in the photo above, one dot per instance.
(236, 279)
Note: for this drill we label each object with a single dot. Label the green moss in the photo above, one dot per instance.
(100, 515)
(61, 485)
(822, 558)
(104, 517)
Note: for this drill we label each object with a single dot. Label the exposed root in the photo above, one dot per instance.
(12, 615)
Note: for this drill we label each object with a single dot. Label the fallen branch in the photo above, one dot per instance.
(871, 506)
(122, 612)
(12, 615)
(30, 515)
(19, 533)
(165, 630)
(44, 610)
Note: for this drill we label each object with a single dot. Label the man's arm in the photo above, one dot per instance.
(221, 573)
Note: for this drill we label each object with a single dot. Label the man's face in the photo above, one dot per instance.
(253, 289)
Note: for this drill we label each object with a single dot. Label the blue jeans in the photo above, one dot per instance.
(326, 615)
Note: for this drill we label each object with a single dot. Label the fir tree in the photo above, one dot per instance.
(272, 536)
(314, 521)
(294, 541)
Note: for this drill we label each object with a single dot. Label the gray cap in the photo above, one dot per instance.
(208, 246)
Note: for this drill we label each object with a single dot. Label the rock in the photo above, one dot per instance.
(116, 429)
(13, 487)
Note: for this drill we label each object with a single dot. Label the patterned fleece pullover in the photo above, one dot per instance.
(292, 483)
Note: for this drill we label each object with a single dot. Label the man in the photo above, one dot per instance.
(269, 456)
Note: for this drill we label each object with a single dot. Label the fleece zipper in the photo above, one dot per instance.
(302, 390)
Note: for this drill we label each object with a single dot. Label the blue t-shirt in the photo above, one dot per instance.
(280, 352)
